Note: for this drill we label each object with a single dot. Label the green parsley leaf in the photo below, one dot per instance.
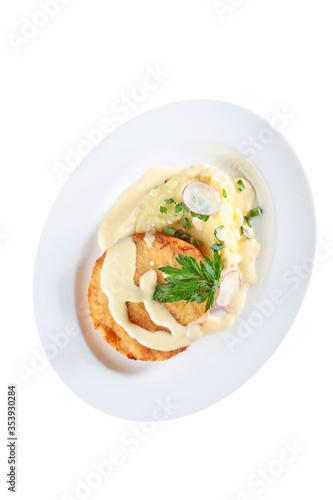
(163, 210)
(169, 201)
(193, 281)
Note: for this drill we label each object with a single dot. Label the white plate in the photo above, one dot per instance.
(177, 134)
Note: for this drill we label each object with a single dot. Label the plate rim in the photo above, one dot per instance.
(120, 130)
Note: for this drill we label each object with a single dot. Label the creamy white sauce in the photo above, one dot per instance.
(248, 252)
(121, 222)
(120, 288)
(149, 238)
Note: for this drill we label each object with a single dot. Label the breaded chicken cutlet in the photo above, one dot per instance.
(162, 252)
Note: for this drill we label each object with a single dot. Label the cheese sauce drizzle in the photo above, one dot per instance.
(120, 288)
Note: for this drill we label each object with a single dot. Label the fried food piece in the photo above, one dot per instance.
(162, 252)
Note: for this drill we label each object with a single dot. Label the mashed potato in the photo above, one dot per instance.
(150, 218)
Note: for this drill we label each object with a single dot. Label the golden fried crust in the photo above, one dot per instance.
(162, 252)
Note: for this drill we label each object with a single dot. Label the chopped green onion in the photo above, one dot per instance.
(224, 193)
(169, 201)
(184, 208)
(187, 237)
(186, 223)
(169, 230)
(175, 216)
(165, 181)
(181, 207)
(182, 236)
(241, 185)
(249, 234)
(215, 233)
(163, 210)
(201, 217)
(198, 243)
(254, 212)
(178, 208)
(247, 221)
(217, 247)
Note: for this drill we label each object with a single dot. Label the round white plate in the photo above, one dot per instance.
(178, 134)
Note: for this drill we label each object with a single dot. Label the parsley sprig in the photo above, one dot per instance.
(192, 282)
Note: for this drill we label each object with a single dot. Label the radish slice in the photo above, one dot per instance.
(202, 198)
(230, 285)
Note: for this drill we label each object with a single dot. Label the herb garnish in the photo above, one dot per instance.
(218, 246)
(186, 223)
(240, 184)
(215, 232)
(247, 221)
(248, 233)
(181, 207)
(169, 230)
(254, 212)
(200, 216)
(193, 282)
(186, 237)
(163, 210)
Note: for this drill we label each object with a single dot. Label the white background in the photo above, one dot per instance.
(266, 55)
